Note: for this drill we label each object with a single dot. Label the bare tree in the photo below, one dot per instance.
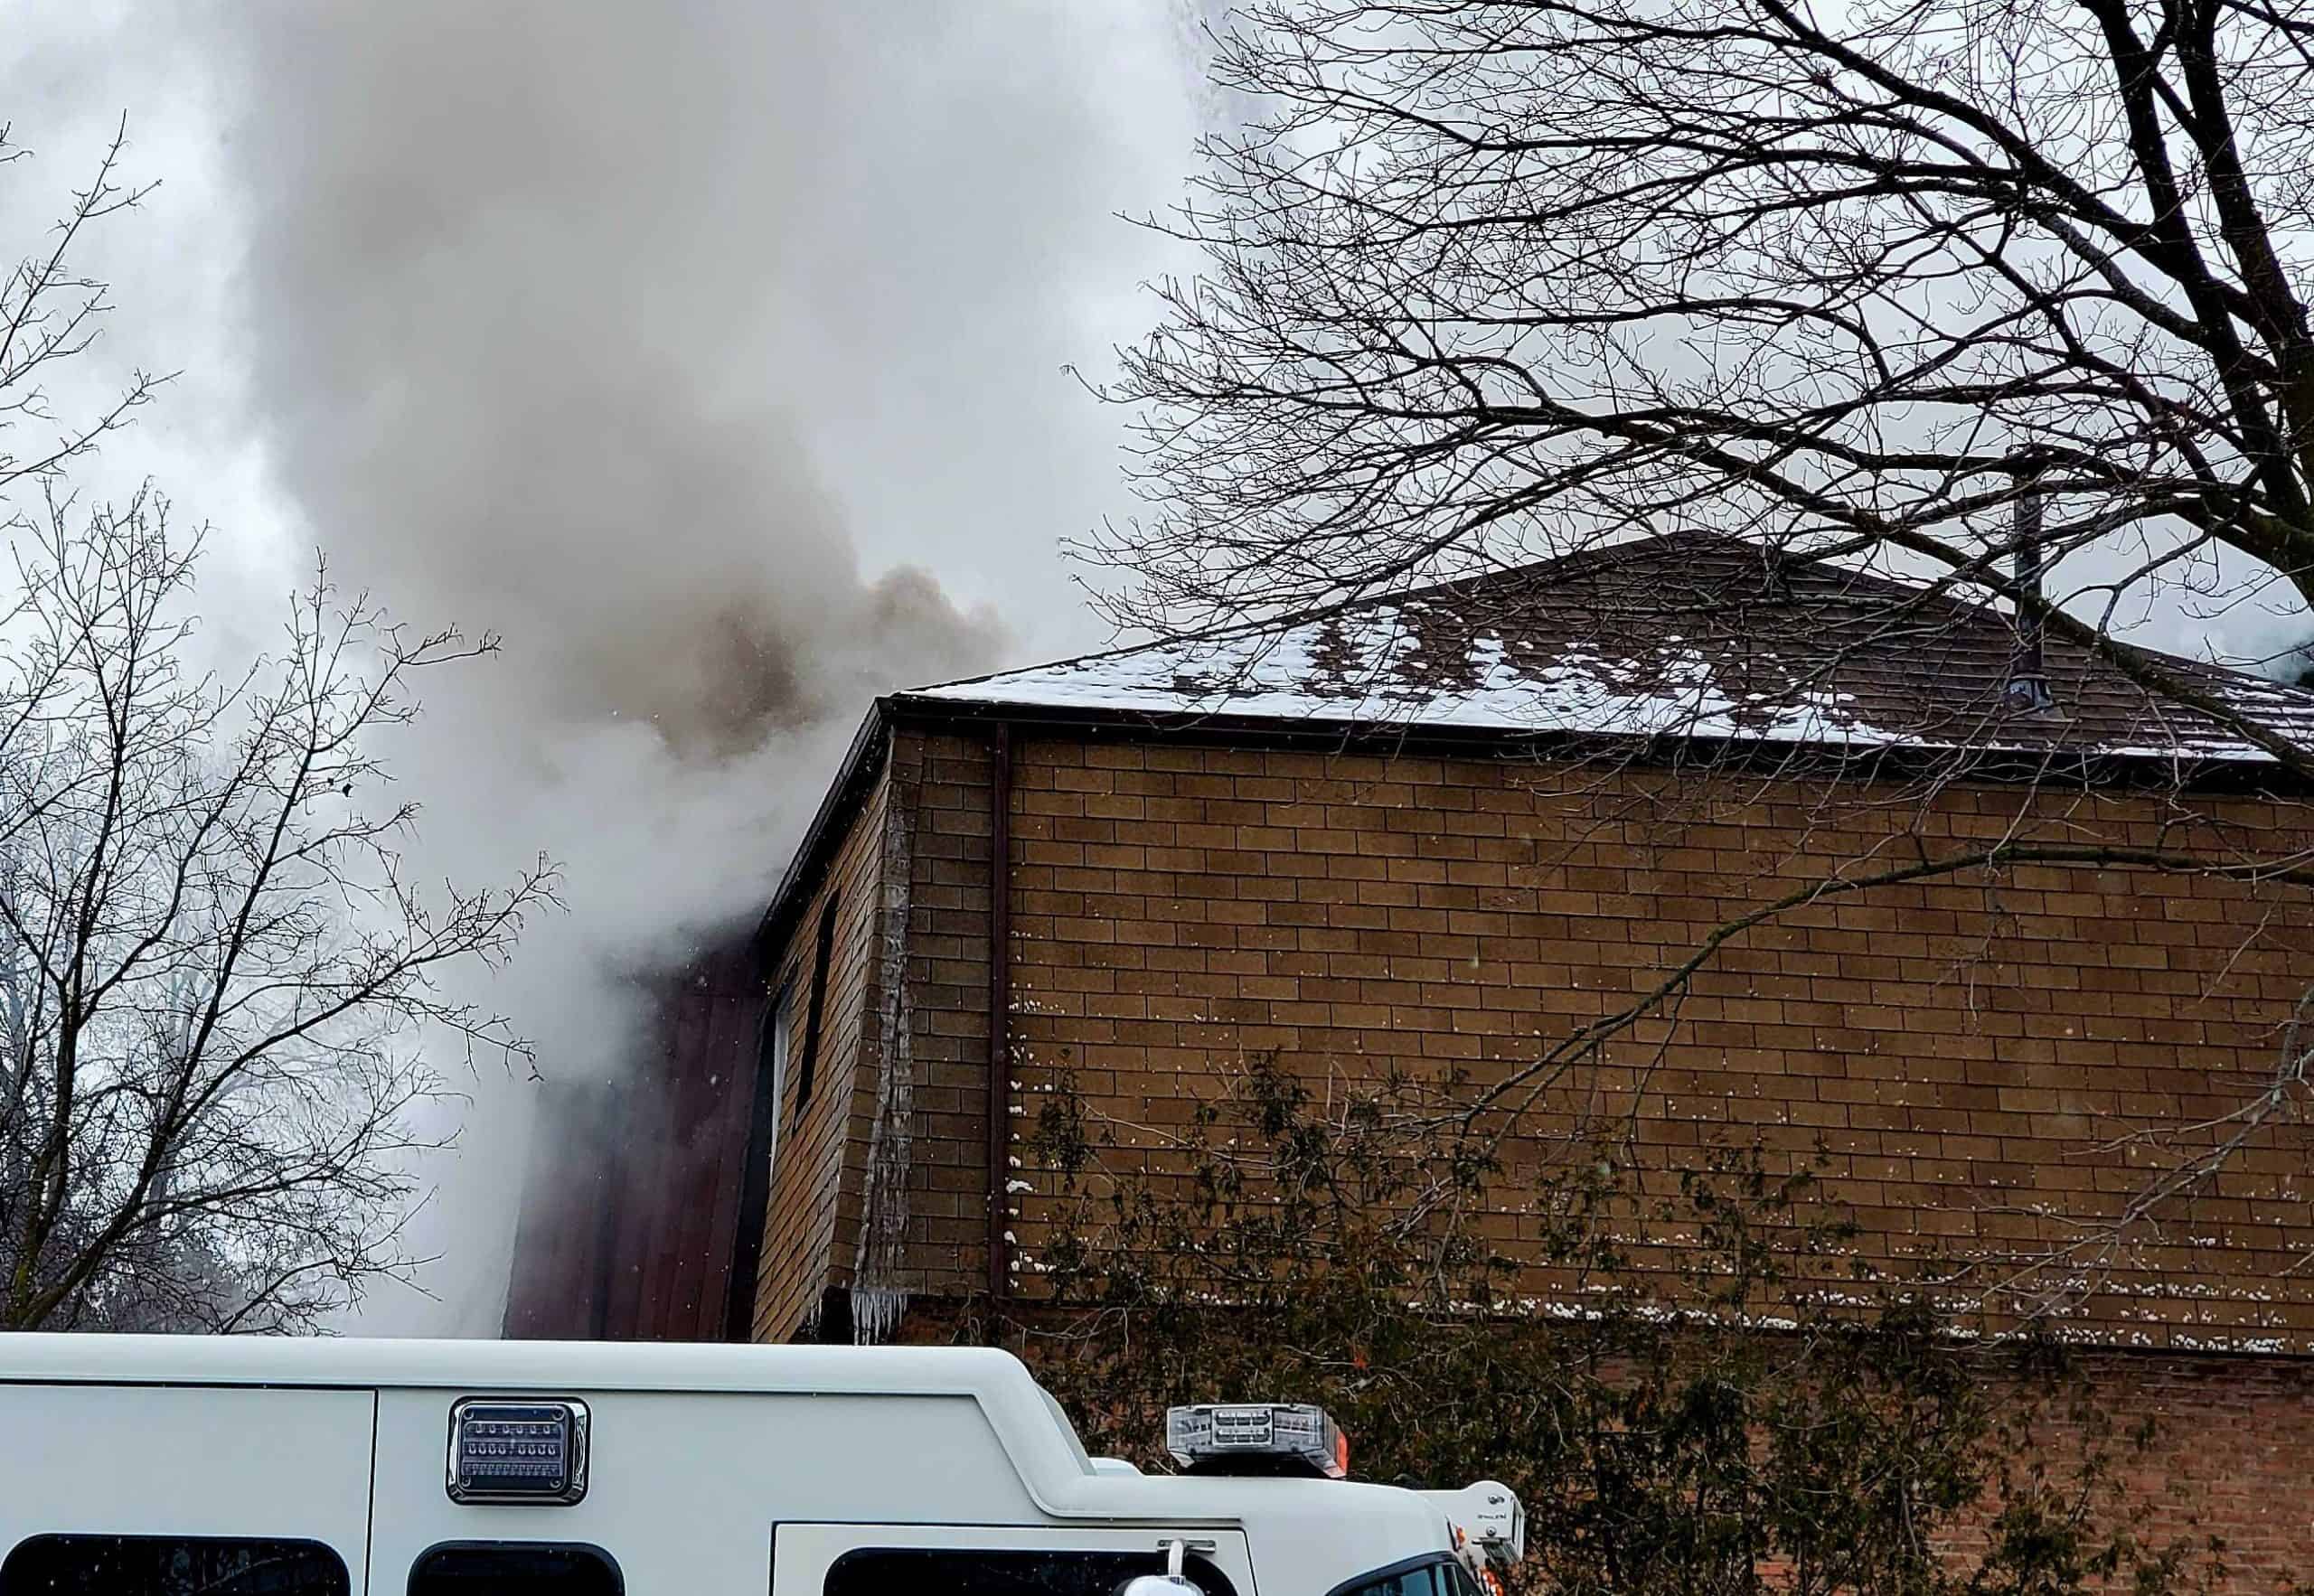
(1910, 286)
(48, 314)
(218, 983)
(1856, 280)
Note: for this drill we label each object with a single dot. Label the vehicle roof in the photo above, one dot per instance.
(1031, 1428)
(577, 1366)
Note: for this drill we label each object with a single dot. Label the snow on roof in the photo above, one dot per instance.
(1683, 636)
(1286, 675)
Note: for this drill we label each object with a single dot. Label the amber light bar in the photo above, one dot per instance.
(1256, 1438)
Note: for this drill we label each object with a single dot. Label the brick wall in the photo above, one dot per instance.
(947, 1018)
(2227, 1458)
(1961, 1051)
(812, 1216)
(908, 1157)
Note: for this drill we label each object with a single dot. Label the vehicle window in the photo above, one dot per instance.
(1427, 1579)
(882, 1572)
(505, 1568)
(170, 1565)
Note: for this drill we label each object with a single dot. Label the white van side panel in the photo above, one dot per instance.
(684, 1489)
(187, 1460)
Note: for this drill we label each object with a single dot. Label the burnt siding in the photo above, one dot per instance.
(687, 1150)
(812, 1225)
(569, 1192)
(630, 1213)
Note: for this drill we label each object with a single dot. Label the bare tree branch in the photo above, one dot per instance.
(219, 988)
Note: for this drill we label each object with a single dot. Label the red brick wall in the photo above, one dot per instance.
(1962, 1050)
(2227, 1459)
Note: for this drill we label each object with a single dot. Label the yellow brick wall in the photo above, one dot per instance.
(811, 1230)
(1962, 1050)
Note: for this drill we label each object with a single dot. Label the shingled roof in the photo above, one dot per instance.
(1683, 635)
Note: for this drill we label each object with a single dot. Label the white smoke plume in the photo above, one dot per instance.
(555, 312)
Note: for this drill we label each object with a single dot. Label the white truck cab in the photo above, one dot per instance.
(161, 1466)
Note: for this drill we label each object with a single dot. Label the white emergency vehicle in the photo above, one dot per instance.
(151, 1466)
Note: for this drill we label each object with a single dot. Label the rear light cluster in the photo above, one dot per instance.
(518, 1452)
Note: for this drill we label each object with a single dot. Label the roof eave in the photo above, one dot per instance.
(862, 762)
(2121, 768)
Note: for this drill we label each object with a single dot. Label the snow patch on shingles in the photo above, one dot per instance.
(1306, 672)
(1375, 668)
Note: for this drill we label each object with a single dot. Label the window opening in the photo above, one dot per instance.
(809, 1064)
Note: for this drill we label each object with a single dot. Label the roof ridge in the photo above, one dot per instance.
(1858, 584)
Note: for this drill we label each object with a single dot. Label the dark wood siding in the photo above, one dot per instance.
(632, 1206)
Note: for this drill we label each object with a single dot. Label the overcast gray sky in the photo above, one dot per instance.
(711, 351)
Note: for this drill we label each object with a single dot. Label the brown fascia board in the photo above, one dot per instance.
(865, 762)
(2007, 767)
